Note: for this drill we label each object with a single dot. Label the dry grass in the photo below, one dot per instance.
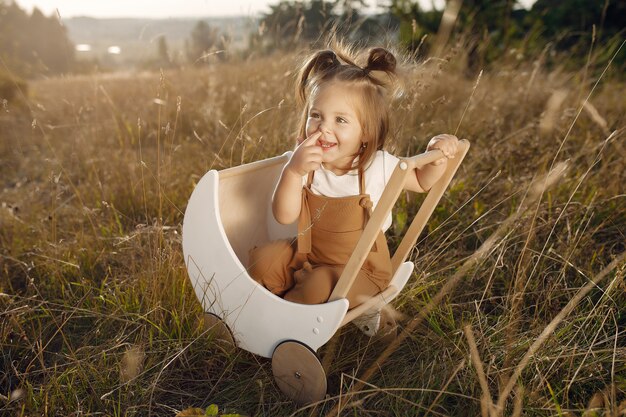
(98, 315)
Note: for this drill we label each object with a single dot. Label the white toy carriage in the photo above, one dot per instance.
(229, 212)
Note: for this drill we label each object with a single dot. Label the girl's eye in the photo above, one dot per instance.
(341, 120)
(314, 115)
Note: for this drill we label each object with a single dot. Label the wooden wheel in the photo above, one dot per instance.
(298, 372)
(216, 327)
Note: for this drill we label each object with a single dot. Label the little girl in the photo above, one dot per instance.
(335, 177)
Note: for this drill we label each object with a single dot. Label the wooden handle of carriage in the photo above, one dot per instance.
(392, 191)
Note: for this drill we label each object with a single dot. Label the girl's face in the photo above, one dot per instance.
(332, 111)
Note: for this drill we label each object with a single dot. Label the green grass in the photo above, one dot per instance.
(95, 179)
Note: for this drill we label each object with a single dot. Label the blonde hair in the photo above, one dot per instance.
(372, 82)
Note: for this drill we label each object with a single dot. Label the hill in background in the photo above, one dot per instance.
(137, 39)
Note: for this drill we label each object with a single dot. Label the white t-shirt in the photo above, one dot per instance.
(377, 175)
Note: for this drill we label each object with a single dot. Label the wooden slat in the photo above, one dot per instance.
(428, 206)
(422, 159)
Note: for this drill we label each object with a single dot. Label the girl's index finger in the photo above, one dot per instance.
(310, 141)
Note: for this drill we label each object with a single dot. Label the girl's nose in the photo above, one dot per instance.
(324, 127)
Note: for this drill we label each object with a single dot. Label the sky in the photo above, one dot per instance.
(170, 8)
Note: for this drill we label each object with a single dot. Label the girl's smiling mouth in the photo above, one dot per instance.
(325, 145)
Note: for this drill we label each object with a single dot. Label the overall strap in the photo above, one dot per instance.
(367, 204)
(366, 201)
(304, 220)
(361, 181)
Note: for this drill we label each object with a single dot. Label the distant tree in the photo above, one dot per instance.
(353, 24)
(577, 17)
(163, 51)
(291, 22)
(571, 23)
(348, 11)
(203, 41)
(35, 44)
(490, 25)
(49, 43)
(12, 47)
(414, 24)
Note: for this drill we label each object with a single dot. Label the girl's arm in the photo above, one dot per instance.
(287, 198)
(428, 175)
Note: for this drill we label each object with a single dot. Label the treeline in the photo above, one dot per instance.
(491, 28)
(33, 45)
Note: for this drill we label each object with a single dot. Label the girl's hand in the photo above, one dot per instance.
(448, 144)
(307, 156)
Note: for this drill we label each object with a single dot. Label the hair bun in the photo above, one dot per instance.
(324, 60)
(320, 64)
(380, 59)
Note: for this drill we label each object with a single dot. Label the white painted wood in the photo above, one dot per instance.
(400, 279)
(259, 320)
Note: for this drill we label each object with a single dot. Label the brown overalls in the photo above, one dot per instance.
(328, 231)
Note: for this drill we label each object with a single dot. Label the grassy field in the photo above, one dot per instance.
(518, 298)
